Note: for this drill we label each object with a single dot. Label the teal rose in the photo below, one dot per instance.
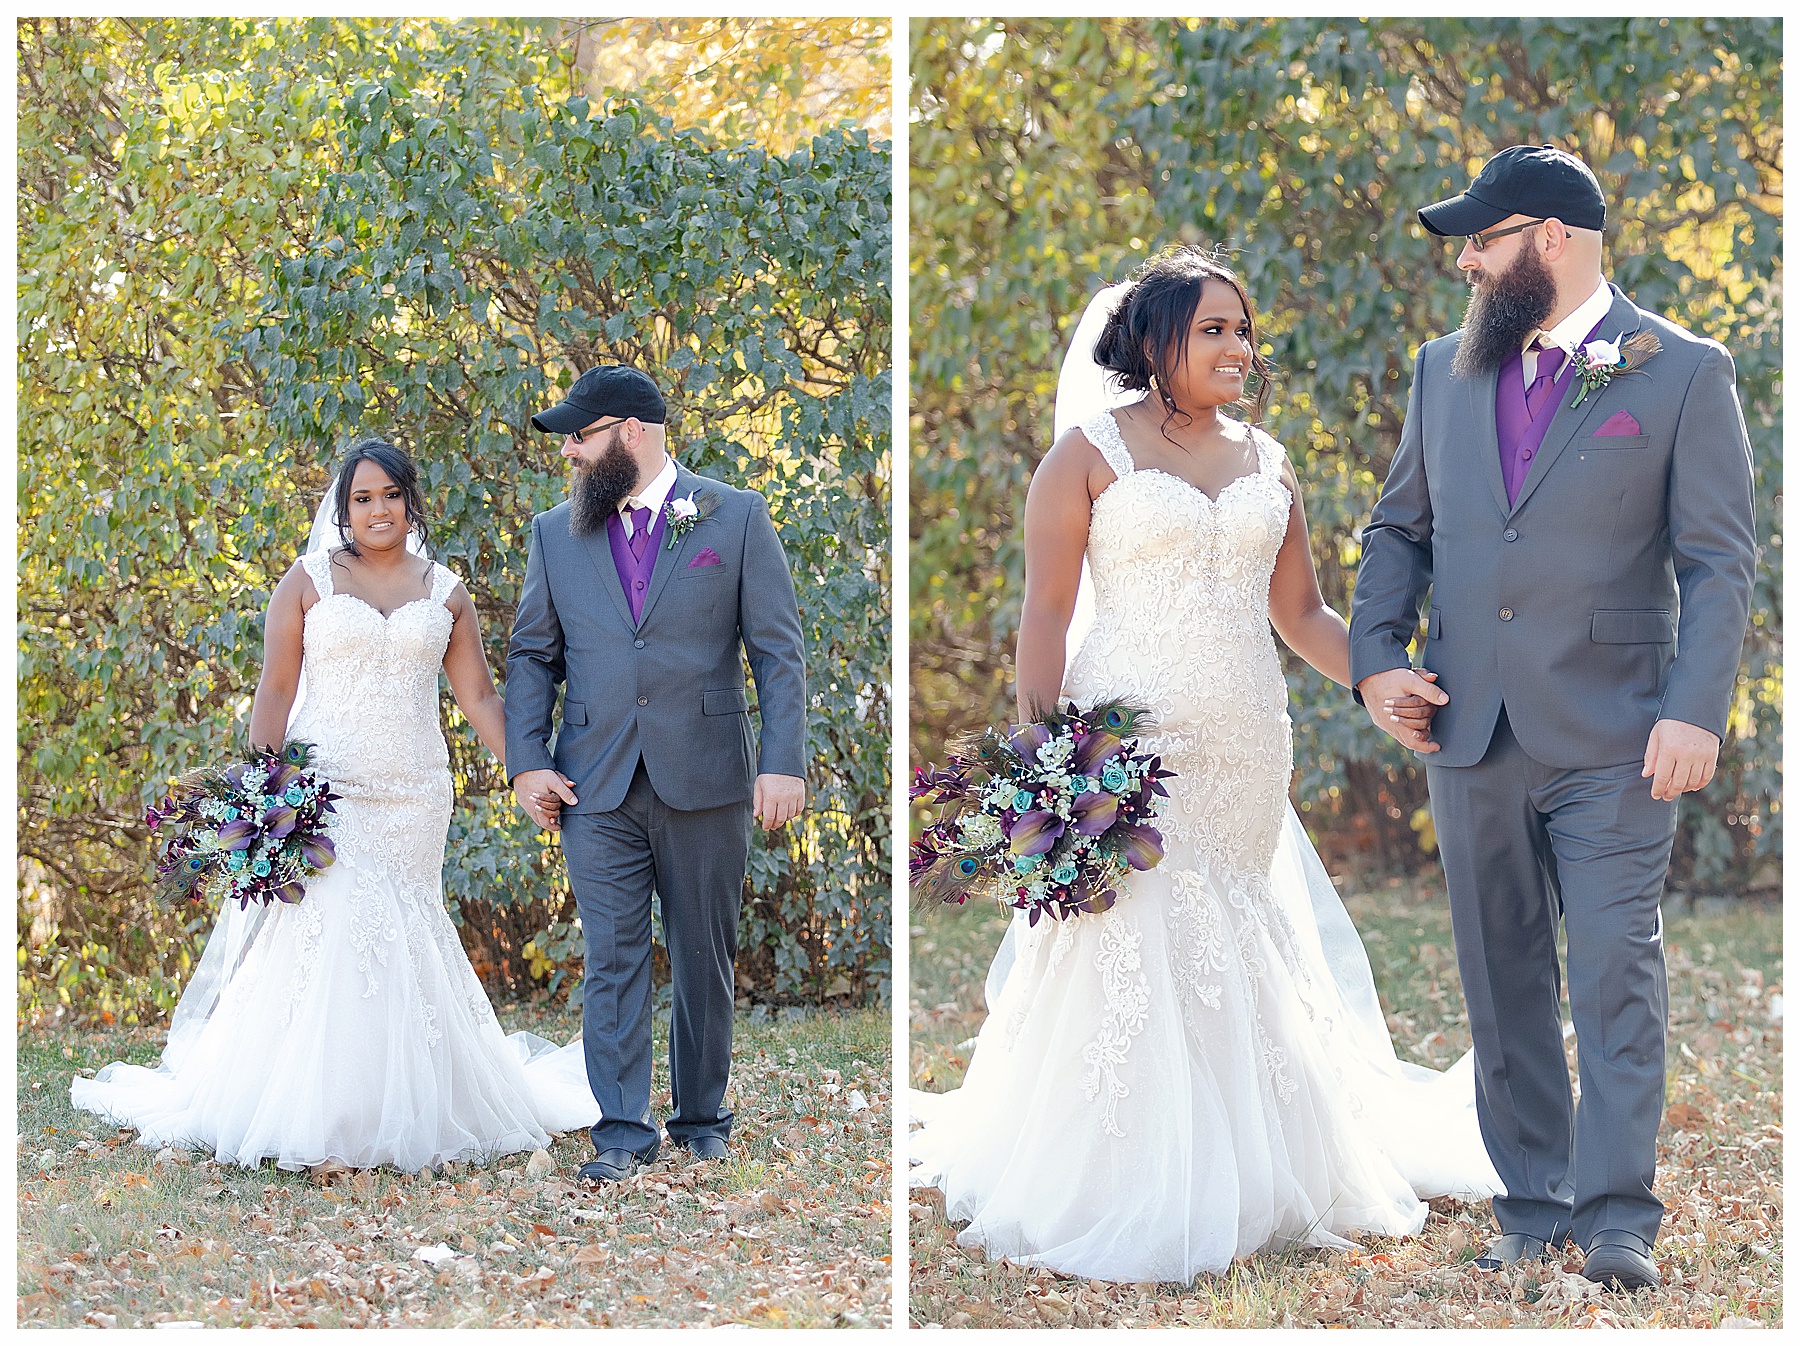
(1024, 864)
(1064, 873)
(1114, 778)
(1023, 800)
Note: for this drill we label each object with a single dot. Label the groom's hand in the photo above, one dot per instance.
(777, 799)
(1401, 702)
(1681, 756)
(542, 794)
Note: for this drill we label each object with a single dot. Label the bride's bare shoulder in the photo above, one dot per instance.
(1074, 463)
(297, 585)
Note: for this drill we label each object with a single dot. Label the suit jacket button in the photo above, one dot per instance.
(1511, 535)
(638, 644)
(1505, 616)
(643, 701)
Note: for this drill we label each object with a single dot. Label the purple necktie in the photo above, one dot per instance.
(1546, 375)
(640, 531)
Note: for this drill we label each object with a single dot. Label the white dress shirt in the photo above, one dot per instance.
(655, 495)
(1569, 332)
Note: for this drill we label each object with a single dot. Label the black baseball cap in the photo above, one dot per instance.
(605, 390)
(1538, 180)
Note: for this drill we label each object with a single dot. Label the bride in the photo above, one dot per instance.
(1202, 1071)
(349, 1029)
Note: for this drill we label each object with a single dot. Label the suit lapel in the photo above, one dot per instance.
(1622, 317)
(668, 558)
(599, 551)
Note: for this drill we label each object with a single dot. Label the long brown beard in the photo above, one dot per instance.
(598, 490)
(1504, 310)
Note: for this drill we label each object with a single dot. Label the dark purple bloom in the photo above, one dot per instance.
(931, 783)
(317, 850)
(1026, 739)
(279, 821)
(1034, 833)
(1142, 844)
(279, 778)
(1093, 750)
(1095, 811)
(237, 835)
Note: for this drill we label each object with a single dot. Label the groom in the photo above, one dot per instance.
(1588, 543)
(643, 593)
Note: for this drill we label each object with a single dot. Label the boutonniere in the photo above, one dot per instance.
(1601, 361)
(684, 513)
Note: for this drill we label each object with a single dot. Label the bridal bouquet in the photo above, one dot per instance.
(254, 832)
(1048, 817)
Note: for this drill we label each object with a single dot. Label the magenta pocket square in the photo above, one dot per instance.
(707, 557)
(1620, 423)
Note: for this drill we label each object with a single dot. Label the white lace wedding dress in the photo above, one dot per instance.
(1203, 1071)
(350, 1026)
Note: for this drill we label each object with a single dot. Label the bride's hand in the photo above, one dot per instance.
(1402, 702)
(542, 794)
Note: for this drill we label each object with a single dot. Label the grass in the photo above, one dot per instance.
(791, 1230)
(1719, 1156)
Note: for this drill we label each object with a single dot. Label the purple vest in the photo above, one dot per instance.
(633, 573)
(1521, 434)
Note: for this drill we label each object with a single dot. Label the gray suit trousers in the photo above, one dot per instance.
(694, 860)
(1524, 844)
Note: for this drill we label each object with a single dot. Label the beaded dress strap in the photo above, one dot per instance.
(1103, 432)
(317, 565)
(443, 580)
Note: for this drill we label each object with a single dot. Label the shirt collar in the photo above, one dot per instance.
(1569, 332)
(657, 492)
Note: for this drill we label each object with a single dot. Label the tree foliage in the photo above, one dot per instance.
(1306, 145)
(244, 243)
(739, 77)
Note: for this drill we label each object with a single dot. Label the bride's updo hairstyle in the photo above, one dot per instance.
(1145, 340)
(398, 464)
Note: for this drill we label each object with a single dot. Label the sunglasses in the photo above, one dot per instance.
(1480, 241)
(580, 436)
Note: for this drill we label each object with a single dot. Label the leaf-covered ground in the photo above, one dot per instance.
(792, 1229)
(1719, 1156)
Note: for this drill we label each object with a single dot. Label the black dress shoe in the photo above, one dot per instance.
(1621, 1259)
(706, 1147)
(608, 1166)
(1510, 1249)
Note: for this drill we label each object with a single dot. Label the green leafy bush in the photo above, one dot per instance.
(245, 243)
(1051, 156)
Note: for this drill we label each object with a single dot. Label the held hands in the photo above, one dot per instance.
(542, 794)
(1401, 702)
(777, 800)
(1681, 757)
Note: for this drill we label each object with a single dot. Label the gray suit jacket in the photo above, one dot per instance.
(671, 687)
(1613, 593)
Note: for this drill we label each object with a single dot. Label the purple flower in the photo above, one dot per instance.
(237, 835)
(1035, 833)
(279, 778)
(929, 782)
(1142, 844)
(1026, 739)
(279, 821)
(1095, 811)
(317, 851)
(1093, 750)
